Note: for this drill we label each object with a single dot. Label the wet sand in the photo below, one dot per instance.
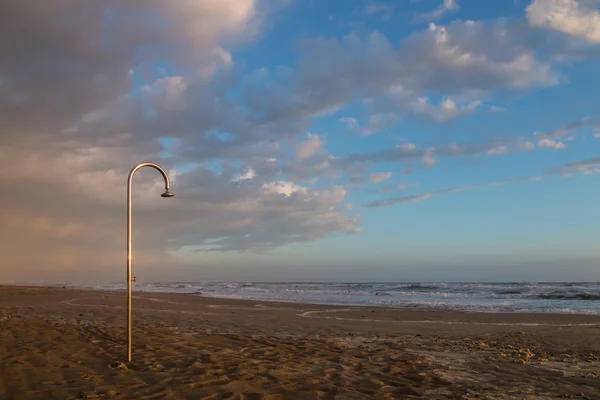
(70, 344)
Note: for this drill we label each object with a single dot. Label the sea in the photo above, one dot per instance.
(516, 297)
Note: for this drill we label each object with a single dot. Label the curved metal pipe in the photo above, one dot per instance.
(167, 193)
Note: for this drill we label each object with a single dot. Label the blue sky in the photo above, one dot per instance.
(416, 140)
(552, 219)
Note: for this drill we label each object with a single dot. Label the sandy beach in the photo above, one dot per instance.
(60, 343)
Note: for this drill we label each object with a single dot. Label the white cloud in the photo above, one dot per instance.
(354, 125)
(380, 176)
(429, 159)
(550, 140)
(550, 144)
(446, 110)
(351, 122)
(83, 143)
(220, 58)
(447, 60)
(244, 176)
(577, 18)
(427, 195)
(586, 167)
(271, 162)
(284, 188)
(309, 147)
(189, 34)
(461, 48)
(168, 92)
(526, 146)
(498, 150)
(447, 6)
(408, 153)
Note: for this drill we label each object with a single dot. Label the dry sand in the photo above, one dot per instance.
(66, 344)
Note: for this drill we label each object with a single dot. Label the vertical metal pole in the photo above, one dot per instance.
(167, 193)
(129, 265)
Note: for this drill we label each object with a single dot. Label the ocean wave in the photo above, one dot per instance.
(510, 292)
(568, 296)
(381, 293)
(421, 286)
(354, 285)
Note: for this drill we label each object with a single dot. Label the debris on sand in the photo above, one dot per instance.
(116, 365)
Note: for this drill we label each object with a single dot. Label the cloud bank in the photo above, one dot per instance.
(91, 88)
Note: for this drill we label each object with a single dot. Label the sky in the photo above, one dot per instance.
(306, 140)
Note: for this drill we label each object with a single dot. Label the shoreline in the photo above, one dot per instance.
(300, 303)
(69, 343)
(399, 315)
